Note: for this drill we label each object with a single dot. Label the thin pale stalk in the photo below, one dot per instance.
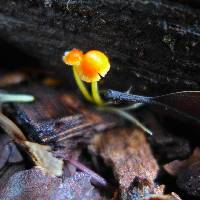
(15, 98)
(134, 106)
(95, 93)
(128, 117)
(82, 86)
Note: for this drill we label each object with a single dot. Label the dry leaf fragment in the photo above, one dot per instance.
(7, 172)
(77, 187)
(4, 155)
(172, 196)
(12, 78)
(187, 173)
(176, 166)
(40, 154)
(9, 152)
(37, 185)
(30, 184)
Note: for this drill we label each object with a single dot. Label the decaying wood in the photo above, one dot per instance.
(57, 116)
(153, 45)
(129, 155)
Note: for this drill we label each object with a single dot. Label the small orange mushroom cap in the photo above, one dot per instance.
(73, 57)
(90, 66)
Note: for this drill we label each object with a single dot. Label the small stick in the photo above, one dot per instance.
(97, 178)
(85, 169)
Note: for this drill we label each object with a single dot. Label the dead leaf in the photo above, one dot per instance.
(7, 172)
(49, 81)
(128, 153)
(172, 196)
(36, 184)
(176, 166)
(9, 152)
(187, 173)
(4, 156)
(30, 184)
(40, 154)
(43, 157)
(12, 78)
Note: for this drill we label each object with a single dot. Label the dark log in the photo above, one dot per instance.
(153, 45)
(193, 3)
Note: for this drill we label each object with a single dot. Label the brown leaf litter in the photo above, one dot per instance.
(187, 172)
(128, 153)
(37, 184)
(40, 154)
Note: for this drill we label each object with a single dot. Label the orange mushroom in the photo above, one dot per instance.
(73, 57)
(94, 65)
(89, 67)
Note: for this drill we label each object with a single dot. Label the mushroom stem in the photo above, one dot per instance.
(82, 86)
(95, 93)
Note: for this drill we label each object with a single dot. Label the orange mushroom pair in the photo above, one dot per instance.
(89, 67)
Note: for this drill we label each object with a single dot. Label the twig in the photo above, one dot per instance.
(85, 169)
(100, 180)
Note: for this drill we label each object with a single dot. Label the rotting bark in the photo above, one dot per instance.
(58, 116)
(129, 155)
(153, 45)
